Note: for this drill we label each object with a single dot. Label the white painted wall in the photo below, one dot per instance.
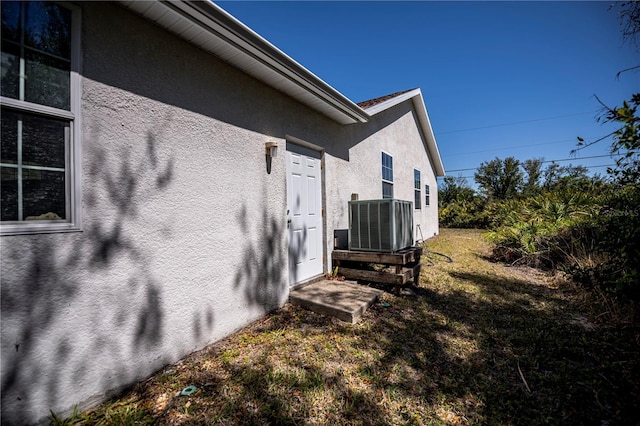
(184, 238)
(395, 132)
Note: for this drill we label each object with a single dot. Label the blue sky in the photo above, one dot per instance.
(499, 78)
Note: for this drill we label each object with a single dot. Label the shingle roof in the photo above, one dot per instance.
(376, 101)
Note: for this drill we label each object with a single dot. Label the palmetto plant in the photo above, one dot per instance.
(531, 227)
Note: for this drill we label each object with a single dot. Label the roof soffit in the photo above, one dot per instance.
(211, 28)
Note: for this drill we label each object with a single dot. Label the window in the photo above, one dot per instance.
(417, 197)
(426, 195)
(387, 175)
(39, 88)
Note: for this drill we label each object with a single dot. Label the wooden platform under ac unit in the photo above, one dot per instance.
(397, 268)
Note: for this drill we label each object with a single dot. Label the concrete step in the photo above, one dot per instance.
(344, 300)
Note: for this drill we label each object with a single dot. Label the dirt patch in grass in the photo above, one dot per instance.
(474, 343)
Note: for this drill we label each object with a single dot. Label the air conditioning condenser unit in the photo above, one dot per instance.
(380, 225)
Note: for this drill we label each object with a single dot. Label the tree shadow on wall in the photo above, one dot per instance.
(261, 276)
(298, 246)
(297, 253)
(43, 297)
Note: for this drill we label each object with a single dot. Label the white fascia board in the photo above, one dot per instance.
(237, 44)
(432, 145)
(392, 102)
(423, 118)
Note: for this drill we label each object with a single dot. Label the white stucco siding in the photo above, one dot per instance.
(184, 236)
(395, 132)
(184, 231)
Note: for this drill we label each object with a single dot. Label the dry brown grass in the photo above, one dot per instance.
(475, 343)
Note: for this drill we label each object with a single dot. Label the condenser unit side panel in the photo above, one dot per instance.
(363, 224)
(386, 238)
(376, 241)
(354, 230)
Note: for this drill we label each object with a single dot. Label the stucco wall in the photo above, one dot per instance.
(184, 234)
(184, 237)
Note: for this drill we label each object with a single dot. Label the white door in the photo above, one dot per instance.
(304, 213)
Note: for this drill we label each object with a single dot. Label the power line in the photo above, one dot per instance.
(509, 147)
(514, 123)
(550, 161)
(586, 167)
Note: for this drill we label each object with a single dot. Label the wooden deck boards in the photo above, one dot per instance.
(398, 268)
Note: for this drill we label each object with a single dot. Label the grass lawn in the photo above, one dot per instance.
(475, 343)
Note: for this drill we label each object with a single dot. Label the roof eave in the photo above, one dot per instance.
(432, 145)
(219, 33)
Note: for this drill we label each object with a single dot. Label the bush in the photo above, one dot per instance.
(596, 240)
(616, 244)
(539, 231)
(464, 214)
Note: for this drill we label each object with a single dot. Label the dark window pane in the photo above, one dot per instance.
(10, 20)
(48, 81)
(43, 141)
(9, 194)
(10, 81)
(417, 200)
(43, 195)
(387, 190)
(47, 52)
(48, 28)
(387, 167)
(9, 137)
(387, 174)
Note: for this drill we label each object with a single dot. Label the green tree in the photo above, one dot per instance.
(616, 230)
(454, 189)
(500, 179)
(532, 183)
(460, 206)
(567, 178)
(626, 140)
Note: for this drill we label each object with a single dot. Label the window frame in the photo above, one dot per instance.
(386, 181)
(426, 195)
(73, 153)
(417, 190)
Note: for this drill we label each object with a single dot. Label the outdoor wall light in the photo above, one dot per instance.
(271, 148)
(270, 151)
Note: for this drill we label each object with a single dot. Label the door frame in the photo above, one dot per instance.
(303, 147)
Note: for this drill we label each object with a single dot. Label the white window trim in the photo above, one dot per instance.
(427, 195)
(390, 182)
(73, 223)
(418, 189)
